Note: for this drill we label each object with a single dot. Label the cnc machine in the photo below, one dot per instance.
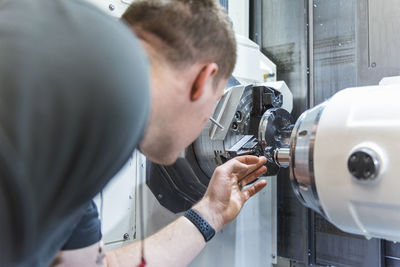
(340, 154)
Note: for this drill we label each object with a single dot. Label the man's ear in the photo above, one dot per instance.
(205, 74)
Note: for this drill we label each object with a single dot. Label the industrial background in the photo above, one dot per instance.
(317, 47)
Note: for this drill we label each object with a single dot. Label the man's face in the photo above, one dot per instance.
(197, 116)
(180, 123)
(176, 117)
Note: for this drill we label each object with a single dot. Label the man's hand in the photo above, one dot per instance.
(179, 242)
(224, 197)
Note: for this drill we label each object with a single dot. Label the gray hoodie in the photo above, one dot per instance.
(74, 101)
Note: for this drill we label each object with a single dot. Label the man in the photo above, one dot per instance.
(191, 49)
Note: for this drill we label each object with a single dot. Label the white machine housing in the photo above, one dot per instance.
(356, 119)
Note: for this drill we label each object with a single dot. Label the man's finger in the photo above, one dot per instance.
(248, 169)
(249, 160)
(256, 162)
(251, 191)
(253, 175)
(239, 169)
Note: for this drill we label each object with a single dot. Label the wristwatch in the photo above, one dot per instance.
(204, 227)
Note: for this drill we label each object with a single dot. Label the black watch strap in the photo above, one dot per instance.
(204, 227)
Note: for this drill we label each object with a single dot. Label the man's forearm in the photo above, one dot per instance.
(180, 242)
(175, 245)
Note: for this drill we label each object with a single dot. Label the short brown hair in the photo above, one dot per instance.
(193, 30)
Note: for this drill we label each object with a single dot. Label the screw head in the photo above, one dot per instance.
(126, 236)
(111, 7)
(234, 126)
(238, 115)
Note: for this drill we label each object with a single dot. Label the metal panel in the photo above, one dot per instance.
(392, 254)
(378, 40)
(239, 14)
(335, 65)
(284, 40)
(256, 21)
(224, 3)
(392, 249)
(114, 8)
(338, 36)
(341, 57)
(346, 251)
(335, 68)
(390, 262)
(246, 241)
(119, 200)
(334, 247)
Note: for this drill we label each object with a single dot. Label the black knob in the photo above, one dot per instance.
(362, 165)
